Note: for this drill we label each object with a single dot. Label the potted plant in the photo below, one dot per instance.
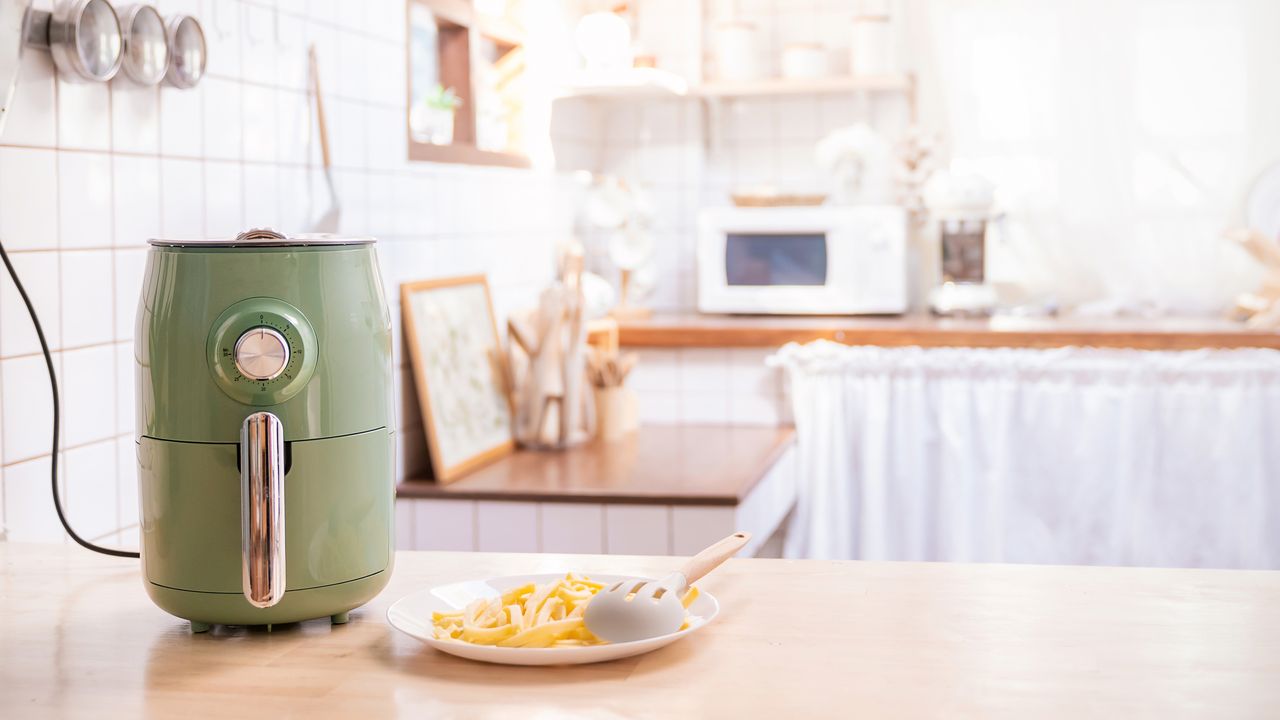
(432, 117)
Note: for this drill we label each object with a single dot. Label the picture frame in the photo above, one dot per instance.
(459, 368)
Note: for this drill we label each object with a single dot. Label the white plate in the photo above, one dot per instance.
(412, 615)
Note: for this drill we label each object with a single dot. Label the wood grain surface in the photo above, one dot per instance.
(770, 331)
(658, 464)
(795, 639)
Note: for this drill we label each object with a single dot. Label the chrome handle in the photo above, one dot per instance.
(262, 509)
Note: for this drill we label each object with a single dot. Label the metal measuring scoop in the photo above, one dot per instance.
(146, 44)
(638, 609)
(188, 52)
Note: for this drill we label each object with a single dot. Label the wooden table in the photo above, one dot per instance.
(694, 330)
(797, 639)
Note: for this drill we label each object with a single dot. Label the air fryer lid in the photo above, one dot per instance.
(266, 238)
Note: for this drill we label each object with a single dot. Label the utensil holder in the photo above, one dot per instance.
(617, 412)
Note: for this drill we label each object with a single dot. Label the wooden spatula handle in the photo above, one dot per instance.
(320, 121)
(707, 560)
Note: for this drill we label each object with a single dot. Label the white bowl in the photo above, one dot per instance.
(412, 616)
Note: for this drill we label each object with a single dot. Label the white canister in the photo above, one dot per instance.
(604, 39)
(805, 60)
(873, 51)
(737, 52)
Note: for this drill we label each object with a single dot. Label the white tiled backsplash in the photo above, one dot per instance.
(615, 528)
(709, 385)
(89, 172)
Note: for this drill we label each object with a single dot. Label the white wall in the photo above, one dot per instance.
(687, 155)
(89, 172)
(695, 386)
(1123, 136)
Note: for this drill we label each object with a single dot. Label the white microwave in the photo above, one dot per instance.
(803, 260)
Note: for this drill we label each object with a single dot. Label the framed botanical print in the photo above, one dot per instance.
(460, 372)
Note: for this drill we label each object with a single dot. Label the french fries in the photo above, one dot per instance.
(530, 616)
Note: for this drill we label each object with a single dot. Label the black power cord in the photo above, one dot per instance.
(53, 386)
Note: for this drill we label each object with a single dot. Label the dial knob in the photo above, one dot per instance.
(262, 354)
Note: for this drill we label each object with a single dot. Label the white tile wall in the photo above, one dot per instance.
(28, 503)
(28, 198)
(558, 527)
(710, 386)
(17, 336)
(637, 529)
(572, 528)
(697, 527)
(92, 505)
(136, 213)
(89, 172)
(443, 525)
(135, 119)
(27, 410)
(404, 525)
(506, 526)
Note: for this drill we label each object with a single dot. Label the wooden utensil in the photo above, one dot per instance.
(329, 222)
(609, 369)
(636, 610)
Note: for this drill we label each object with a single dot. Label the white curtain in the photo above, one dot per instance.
(1076, 456)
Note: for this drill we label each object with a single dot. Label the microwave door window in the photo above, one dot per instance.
(762, 260)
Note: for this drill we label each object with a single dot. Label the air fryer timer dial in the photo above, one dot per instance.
(261, 351)
(262, 354)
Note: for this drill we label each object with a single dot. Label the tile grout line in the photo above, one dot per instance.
(111, 232)
(55, 349)
(60, 476)
(117, 531)
(63, 450)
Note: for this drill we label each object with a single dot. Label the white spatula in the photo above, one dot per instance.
(635, 610)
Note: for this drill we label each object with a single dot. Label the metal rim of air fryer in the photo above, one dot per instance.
(137, 69)
(265, 238)
(65, 40)
(188, 52)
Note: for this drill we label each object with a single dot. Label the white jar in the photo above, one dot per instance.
(604, 39)
(737, 52)
(805, 60)
(873, 51)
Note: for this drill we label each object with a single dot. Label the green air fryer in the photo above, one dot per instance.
(265, 430)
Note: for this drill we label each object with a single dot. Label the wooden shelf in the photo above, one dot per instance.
(500, 29)
(465, 154)
(674, 331)
(460, 34)
(657, 465)
(640, 83)
(814, 86)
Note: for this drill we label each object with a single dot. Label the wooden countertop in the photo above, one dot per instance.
(794, 639)
(658, 464)
(692, 330)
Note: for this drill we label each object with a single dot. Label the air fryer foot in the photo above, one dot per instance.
(340, 619)
(199, 627)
